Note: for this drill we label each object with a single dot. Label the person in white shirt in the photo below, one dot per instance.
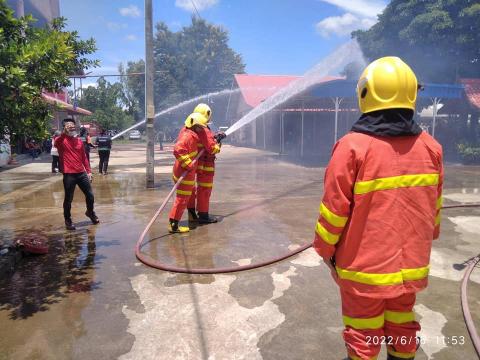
(54, 152)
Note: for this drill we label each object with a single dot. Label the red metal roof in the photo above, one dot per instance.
(472, 90)
(55, 100)
(256, 88)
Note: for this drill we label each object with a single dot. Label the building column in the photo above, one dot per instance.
(282, 135)
(301, 139)
(264, 133)
(336, 101)
(435, 102)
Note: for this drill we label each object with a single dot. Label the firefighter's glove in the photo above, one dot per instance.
(219, 136)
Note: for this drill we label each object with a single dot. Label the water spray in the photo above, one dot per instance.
(175, 107)
(344, 54)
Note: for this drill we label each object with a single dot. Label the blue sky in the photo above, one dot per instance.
(273, 36)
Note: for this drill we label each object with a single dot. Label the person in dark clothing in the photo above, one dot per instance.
(33, 148)
(104, 144)
(47, 145)
(76, 171)
(87, 142)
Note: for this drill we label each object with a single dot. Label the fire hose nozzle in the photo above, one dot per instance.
(220, 136)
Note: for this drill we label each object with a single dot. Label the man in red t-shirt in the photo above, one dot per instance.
(76, 171)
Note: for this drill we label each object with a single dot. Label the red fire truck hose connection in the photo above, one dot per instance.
(222, 270)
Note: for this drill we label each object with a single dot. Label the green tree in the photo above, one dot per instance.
(111, 107)
(134, 87)
(31, 60)
(193, 61)
(440, 39)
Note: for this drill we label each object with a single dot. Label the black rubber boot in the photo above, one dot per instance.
(204, 218)
(173, 227)
(192, 215)
(69, 224)
(93, 217)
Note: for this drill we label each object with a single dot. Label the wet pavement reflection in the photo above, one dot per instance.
(71, 302)
(43, 280)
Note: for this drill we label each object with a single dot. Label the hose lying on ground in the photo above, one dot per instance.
(466, 309)
(158, 265)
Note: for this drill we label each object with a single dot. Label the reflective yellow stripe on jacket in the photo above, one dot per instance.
(395, 182)
(385, 279)
(334, 220)
(185, 160)
(215, 149)
(438, 217)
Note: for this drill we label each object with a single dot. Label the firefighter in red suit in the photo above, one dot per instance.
(380, 212)
(205, 170)
(185, 150)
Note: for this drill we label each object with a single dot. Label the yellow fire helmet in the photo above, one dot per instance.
(195, 119)
(205, 110)
(387, 83)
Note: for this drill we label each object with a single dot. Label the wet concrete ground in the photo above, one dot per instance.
(89, 298)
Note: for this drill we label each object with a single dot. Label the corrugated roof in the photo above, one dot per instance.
(472, 91)
(443, 91)
(256, 88)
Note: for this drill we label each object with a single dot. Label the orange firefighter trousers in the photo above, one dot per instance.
(370, 323)
(185, 193)
(205, 174)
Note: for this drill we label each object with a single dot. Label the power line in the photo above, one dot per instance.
(196, 10)
(114, 75)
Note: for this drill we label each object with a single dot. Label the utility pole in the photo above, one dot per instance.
(20, 9)
(149, 106)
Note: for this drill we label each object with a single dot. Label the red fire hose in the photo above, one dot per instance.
(158, 265)
(466, 309)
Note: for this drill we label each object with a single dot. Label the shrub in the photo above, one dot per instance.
(470, 154)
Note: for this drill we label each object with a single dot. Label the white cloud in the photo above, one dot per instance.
(360, 14)
(342, 25)
(175, 25)
(90, 84)
(130, 11)
(131, 37)
(114, 26)
(365, 8)
(199, 4)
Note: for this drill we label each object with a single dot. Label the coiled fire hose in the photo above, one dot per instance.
(221, 270)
